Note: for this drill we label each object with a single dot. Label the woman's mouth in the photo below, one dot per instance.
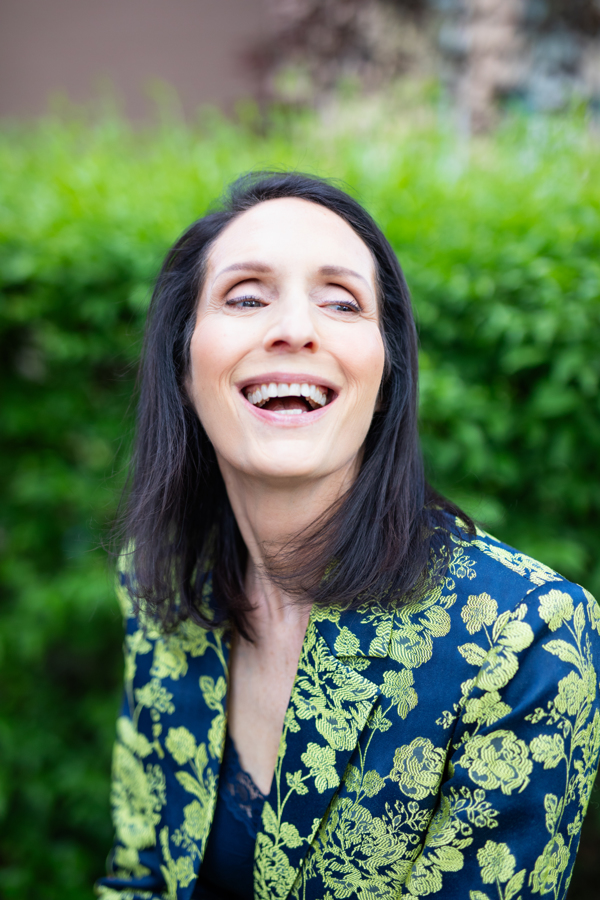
(290, 399)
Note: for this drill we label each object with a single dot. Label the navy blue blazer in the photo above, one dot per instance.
(443, 747)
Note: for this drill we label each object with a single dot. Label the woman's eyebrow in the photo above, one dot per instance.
(251, 266)
(342, 270)
(263, 268)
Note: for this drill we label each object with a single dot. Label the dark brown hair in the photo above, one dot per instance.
(177, 524)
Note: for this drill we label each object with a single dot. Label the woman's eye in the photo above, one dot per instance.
(345, 307)
(340, 299)
(245, 302)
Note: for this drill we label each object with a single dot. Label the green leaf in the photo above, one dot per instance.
(514, 885)
(191, 784)
(579, 620)
(346, 643)
(290, 835)
(269, 819)
(473, 654)
(564, 651)
(295, 783)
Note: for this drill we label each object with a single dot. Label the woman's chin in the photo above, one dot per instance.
(289, 471)
(286, 466)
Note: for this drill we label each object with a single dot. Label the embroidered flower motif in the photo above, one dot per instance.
(398, 686)
(500, 760)
(496, 861)
(155, 696)
(170, 660)
(593, 610)
(556, 607)
(500, 665)
(486, 709)
(418, 768)
(131, 737)
(321, 762)
(181, 744)
(549, 866)
(480, 610)
(194, 820)
(548, 749)
(571, 694)
(136, 805)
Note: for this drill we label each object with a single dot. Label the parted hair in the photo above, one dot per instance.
(176, 524)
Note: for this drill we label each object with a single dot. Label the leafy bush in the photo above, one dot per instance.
(500, 240)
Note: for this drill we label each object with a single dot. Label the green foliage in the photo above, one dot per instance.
(500, 241)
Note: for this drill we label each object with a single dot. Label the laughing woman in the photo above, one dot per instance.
(335, 685)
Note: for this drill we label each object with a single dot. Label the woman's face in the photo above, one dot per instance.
(287, 357)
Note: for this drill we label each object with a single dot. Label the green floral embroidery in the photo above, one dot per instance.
(127, 859)
(418, 768)
(371, 799)
(497, 865)
(556, 608)
(480, 610)
(485, 710)
(568, 715)
(535, 572)
(170, 660)
(550, 866)
(498, 760)
(548, 749)
(593, 610)
(181, 745)
(398, 686)
(154, 696)
(137, 797)
(320, 763)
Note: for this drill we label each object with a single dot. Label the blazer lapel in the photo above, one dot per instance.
(193, 748)
(329, 707)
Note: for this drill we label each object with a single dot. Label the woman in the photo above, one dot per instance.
(335, 685)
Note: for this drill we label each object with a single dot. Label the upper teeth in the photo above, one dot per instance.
(316, 396)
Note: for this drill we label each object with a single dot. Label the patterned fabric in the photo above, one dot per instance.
(446, 747)
(228, 860)
(242, 797)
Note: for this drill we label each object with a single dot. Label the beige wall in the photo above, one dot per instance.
(48, 47)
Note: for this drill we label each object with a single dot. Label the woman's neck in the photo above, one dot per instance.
(269, 516)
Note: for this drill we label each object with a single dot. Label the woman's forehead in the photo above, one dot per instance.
(288, 229)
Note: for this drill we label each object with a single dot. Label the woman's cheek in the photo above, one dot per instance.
(365, 359)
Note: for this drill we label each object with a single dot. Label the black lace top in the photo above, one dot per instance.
(226, 871)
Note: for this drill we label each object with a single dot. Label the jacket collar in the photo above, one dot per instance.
(329, 707)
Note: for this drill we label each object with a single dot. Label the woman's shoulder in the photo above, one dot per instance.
(489, 583)
(140, 615)
(479, 562)
(488, 609)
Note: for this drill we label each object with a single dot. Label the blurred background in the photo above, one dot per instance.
(469, 128)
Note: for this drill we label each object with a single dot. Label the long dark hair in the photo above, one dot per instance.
(177, 526)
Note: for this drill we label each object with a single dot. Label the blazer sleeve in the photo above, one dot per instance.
(134, 863)
(522, 758)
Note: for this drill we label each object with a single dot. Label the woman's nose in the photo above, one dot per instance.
(293, 327)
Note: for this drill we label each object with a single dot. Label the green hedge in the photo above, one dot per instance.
(500, 240)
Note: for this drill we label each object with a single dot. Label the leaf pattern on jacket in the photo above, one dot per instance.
(417, 733)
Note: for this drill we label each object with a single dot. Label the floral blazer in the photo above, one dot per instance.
(445, 747)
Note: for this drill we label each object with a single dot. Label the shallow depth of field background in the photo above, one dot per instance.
(499, 236)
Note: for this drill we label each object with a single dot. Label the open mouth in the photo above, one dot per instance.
(291, 399)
